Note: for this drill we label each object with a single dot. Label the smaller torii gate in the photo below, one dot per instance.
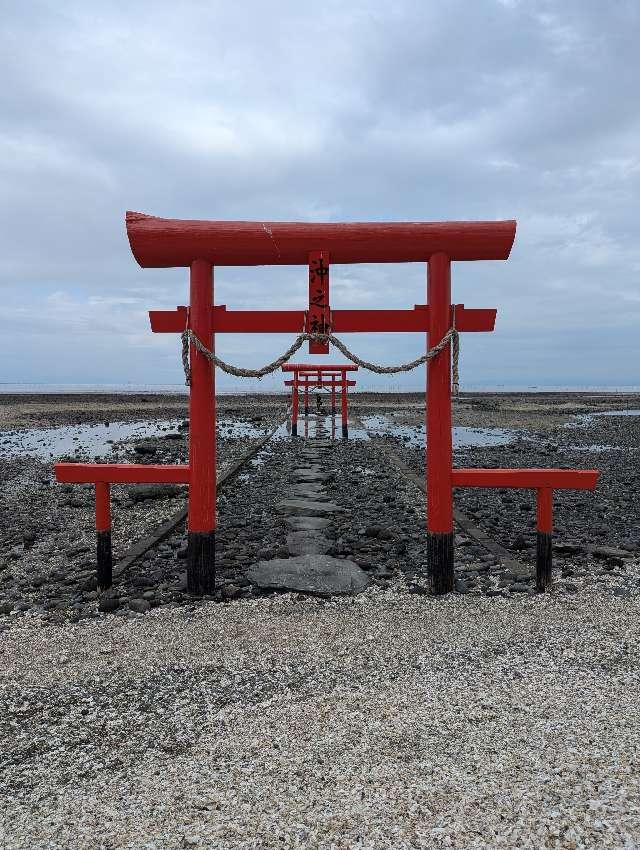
(306, 376)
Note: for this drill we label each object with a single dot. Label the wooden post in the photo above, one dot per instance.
(202, 436)
(333, 395)
(294, 406)
(104, 556)
(345, 420)
(438, 428)
(306, 397)
(544, 559)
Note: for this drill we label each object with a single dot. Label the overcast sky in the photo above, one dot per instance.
(335, 111)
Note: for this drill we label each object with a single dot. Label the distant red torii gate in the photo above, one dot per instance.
(200, 245)
(307, 375)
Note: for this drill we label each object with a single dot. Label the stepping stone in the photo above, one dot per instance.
(319, 575)
(307, 507)
(301, 476)
(309, 491)
(308, 543)
(307, 523)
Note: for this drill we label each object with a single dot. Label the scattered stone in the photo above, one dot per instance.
(140, 606)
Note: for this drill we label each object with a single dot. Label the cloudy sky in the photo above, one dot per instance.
(336, 111)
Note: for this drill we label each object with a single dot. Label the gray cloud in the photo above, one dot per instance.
(358, 111)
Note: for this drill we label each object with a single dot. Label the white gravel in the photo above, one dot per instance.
(389, 721)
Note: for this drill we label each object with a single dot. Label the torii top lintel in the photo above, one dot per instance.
(167, 243)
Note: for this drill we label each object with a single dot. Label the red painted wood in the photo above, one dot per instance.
(343, 401)
(294, 401)
(533, 479)
(103, 506)
(438, 413)
(312, 367)
(164, 243)
(545, 509)
(344, 321)
(202, 408)
(333, 394)
(319, 314)
(121, 473)
(313, 382)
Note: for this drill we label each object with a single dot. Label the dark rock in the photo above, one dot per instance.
(519, 543)
(108, 603)
(145, 449)
(77, 549)
(319, 575)
(140, 492)
(140, 606)
(372, 530)
(231, 591)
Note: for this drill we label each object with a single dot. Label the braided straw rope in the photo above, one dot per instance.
(452, 336)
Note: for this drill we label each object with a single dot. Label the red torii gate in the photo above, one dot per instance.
(307, 375)
(200, 245)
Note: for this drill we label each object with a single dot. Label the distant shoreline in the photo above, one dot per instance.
(181, 390)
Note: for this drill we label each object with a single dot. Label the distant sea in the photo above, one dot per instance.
(254, 386)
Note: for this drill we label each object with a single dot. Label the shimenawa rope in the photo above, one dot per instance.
(451, 337)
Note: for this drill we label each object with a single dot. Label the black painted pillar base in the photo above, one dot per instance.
(544, 561)
(104, 559)
(345, 432)
(306, 411)
(294, 430)
(201, 562)
(440, 562)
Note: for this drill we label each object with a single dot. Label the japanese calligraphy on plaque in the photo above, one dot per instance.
(319, 314)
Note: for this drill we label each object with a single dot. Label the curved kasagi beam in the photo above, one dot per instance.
(311, 367)
(167, 242)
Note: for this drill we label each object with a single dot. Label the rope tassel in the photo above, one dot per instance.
(451, 337)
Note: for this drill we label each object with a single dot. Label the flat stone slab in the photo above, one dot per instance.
(307, 507)
(319, 575)
(308, 543)
(309, 491)
(307, 523)
(301, 476)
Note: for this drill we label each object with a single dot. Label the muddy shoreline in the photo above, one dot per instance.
(47, 541)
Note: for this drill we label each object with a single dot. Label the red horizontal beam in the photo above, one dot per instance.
(168, 242)
(311, 367)
(344, 321)
(321, 383)
(121, 473)
(556, 479)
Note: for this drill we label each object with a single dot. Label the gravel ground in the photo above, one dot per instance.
(496, 717)
(383, 721)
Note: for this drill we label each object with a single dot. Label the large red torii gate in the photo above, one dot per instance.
(201, 245)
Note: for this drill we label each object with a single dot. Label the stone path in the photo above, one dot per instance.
(308, 513)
